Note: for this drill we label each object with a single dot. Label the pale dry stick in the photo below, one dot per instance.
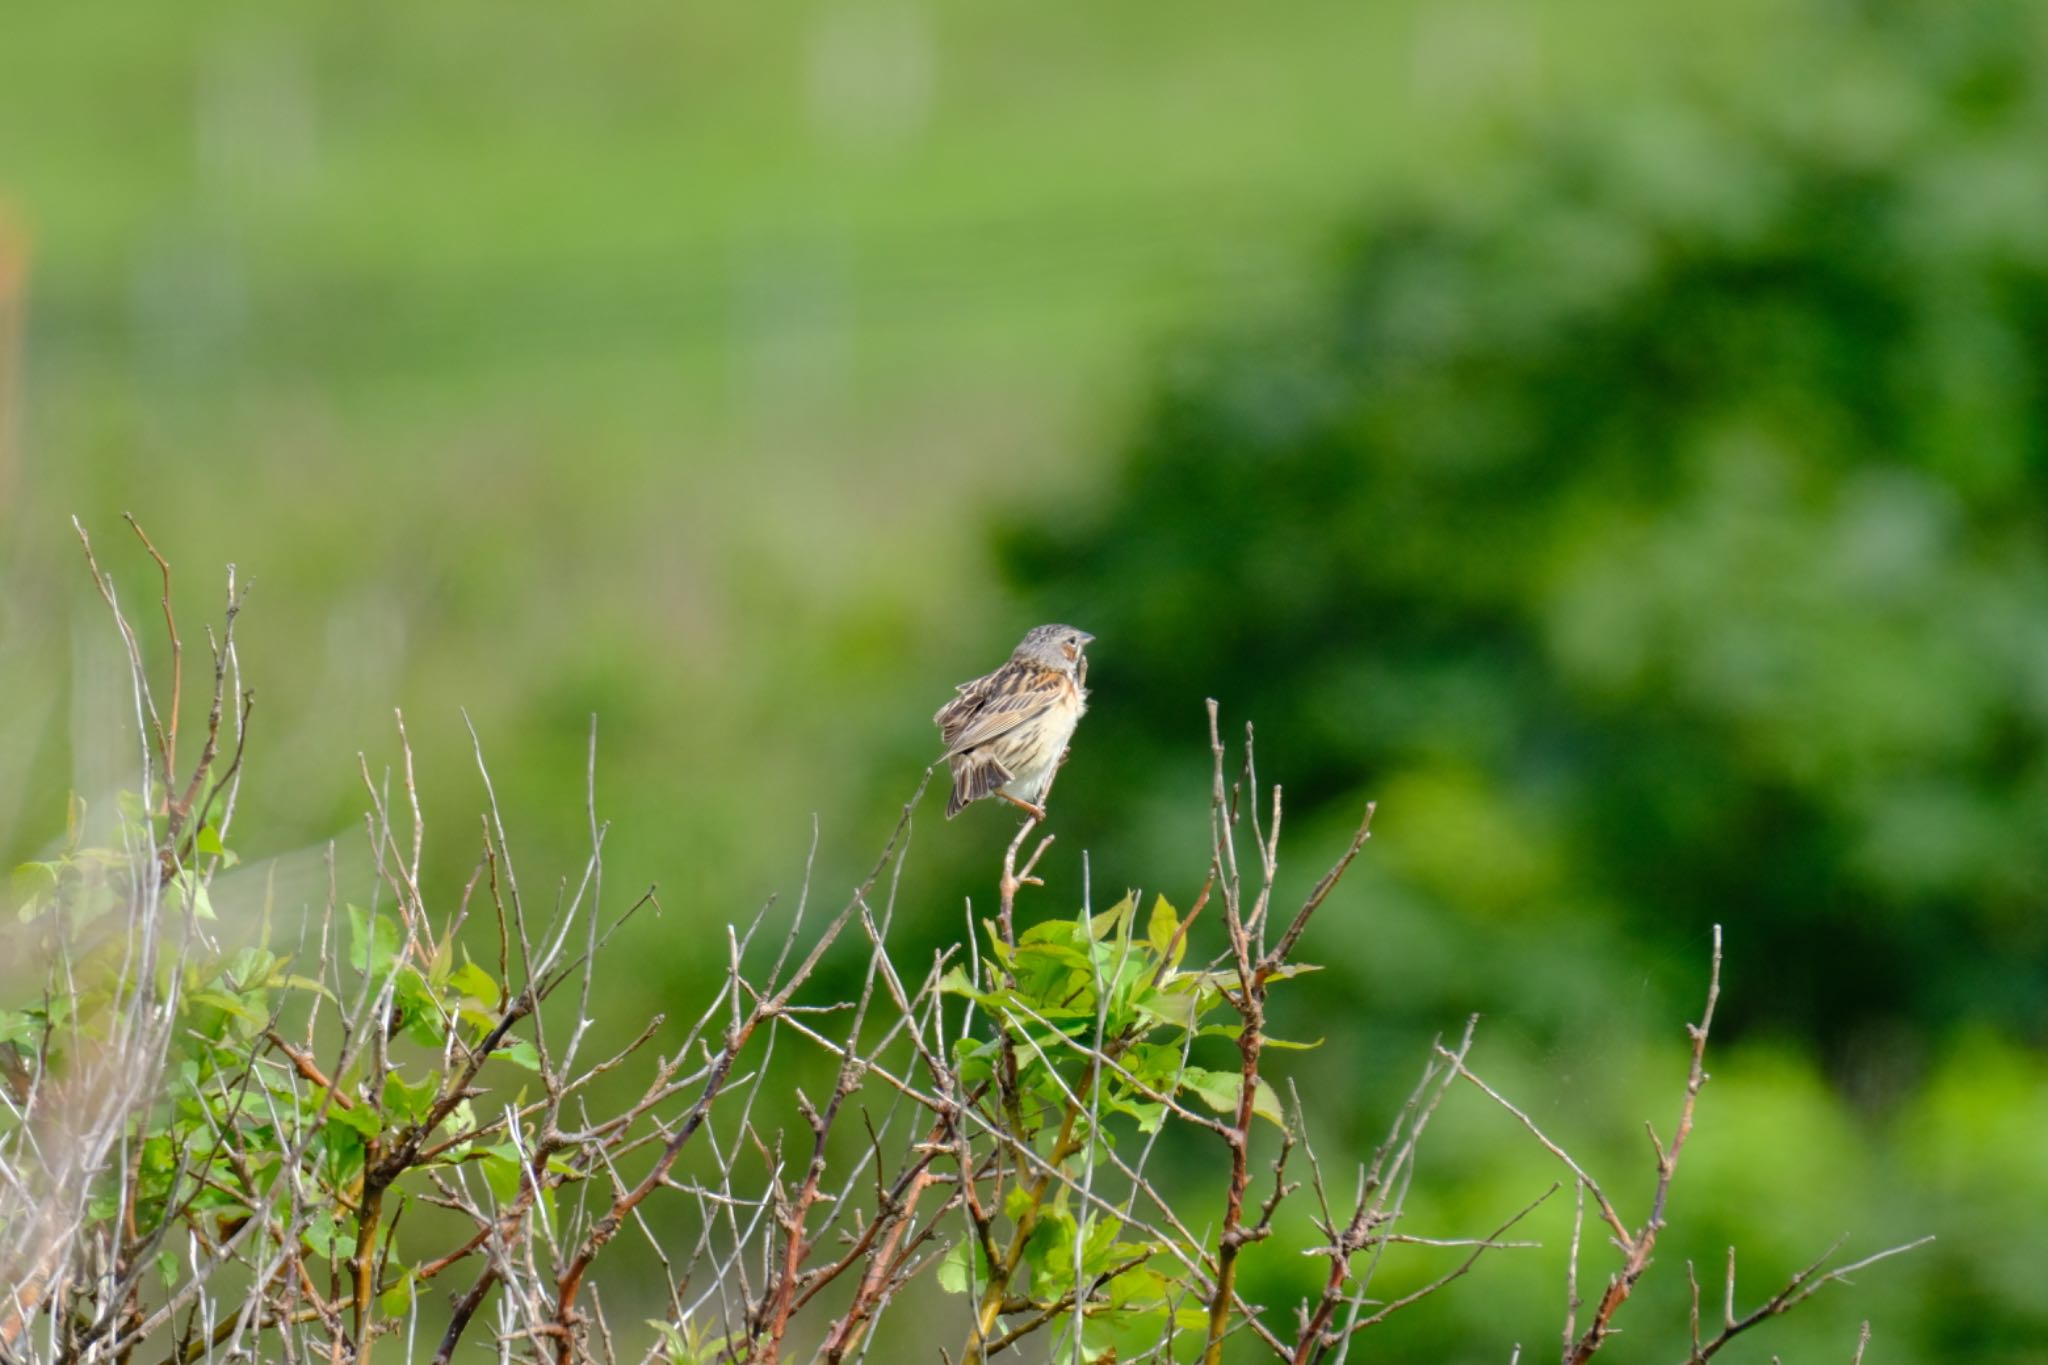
(728, 1205)
(1800, 1288)
(1572, 1302)
(1492, 1239)
(1079, 1293)
(388, 859)
(896, 1211)
(842, 1204)
(1382, 1197)
(1065, 1145)
(1249, 1005)
(771, 1319)
(1050, 1172)
(959, 1109)
(1106, 1059)
(146, 721)
(1074, 1300)
(1728, 1289)
(1862, 1343)
(1282, 950)
(525, 1002)
(166, 735)
(257, 1214)
(1222, 819)
(905, 1024)
(1266, 842)
(1640, 1246)
(773, 1005)
(227, 681)
(1622, 1235)
(1015, 879)
(1196, 1262)
(140, 1030)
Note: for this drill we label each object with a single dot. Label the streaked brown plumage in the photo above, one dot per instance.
(1006, 732)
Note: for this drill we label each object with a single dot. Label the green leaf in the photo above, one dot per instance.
(396, 1300)
(1111, 921)
(226, 1003)
(373, 941)
(327, 1237)
(305, 983)
(1160, 930)
(520, 1052)
(20, 1026)
(1179, 1008)
(355, 1119)
(1049, 1251)
(187, 891)
(1220, 1090)
(502, 1171)
(1134, 1288)
(1149, 1113)
(1266, 1104)
(476, 983)
(438, 964)
(957, 982)
(410, 1103)
(1051, 931)
(460, 1119)
(953, 1269)
(420, 1008)
(34, 879)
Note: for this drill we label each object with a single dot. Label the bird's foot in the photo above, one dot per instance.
(1035, 812)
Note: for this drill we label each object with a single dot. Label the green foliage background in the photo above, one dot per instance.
(1613, 441)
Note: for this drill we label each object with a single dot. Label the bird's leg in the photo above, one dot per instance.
(1035, 812)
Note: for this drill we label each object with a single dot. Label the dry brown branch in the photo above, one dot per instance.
(797, 1223)
(1801, 1287)
(1643, 1242)
(1479, 1249)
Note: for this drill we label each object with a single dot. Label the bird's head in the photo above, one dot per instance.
(1054, 647)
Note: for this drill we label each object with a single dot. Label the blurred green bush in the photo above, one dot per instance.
(1656, 521)
(1658, 525)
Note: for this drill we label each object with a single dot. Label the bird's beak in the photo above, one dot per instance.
(1086, 638)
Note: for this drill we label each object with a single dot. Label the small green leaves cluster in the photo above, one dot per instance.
(242, 1126)
(1087, 1036)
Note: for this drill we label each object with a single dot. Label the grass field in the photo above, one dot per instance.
(654, 362)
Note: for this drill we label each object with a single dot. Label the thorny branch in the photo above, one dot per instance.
(1638, 1244)
(272, 1097)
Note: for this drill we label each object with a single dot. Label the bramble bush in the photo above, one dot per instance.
(340, 1128)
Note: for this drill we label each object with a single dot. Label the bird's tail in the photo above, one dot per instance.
(974, 776)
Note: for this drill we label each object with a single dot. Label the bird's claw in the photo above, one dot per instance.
(1035, 812)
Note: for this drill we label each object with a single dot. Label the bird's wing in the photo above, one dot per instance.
(992, 706)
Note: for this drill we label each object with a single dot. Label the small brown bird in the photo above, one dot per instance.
(1006, 732)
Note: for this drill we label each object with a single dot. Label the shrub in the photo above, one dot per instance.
(215, 1129)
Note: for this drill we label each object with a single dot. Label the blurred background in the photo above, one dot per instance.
(1613, 437)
